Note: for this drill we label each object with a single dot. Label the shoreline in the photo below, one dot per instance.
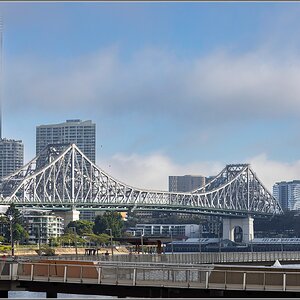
(64, 251)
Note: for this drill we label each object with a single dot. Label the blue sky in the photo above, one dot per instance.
(174, 88)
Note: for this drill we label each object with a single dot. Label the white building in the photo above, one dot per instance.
(42, 225)
(81, 133)
(288, 194)
(176, 230)
(11, 156)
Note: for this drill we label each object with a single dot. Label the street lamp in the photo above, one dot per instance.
(111, 241)
(219, 235)
(75, 240)
(10, 217)
(200, 235)
(281, 242)
(39, 238)
(142, 239)
(171, 234)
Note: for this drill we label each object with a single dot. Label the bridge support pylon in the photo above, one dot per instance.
(70, 215)
(246, 225)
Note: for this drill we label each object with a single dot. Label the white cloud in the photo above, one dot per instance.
(271, 171)
(152, 171)
(221, 85)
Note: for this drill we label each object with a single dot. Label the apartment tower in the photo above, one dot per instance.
(81, 133)
(11, 156)
(288, 194)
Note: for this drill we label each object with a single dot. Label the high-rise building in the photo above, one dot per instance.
(81, 133)
(288, 194)
(11, 156)
(185, 183)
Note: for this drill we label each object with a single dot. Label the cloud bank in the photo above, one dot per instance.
(219, 86)
(152, 171)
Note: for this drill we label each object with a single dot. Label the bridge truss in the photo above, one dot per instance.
(62, 177)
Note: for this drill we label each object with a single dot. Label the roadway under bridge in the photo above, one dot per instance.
(61, 177)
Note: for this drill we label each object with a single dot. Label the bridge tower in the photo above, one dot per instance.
(246, 224)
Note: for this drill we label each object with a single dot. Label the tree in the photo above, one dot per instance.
(109, 220)
(83, 227)
(287, 225)
(69, 239)
(19, 233)
(13, 213)
(99, 240)
(13, 216)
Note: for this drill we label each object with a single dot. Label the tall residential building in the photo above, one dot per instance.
(11, 156)
(81, 133)
(288, 194)
(42, 226)
(185, 183)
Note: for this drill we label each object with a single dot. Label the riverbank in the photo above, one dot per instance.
(65, 251)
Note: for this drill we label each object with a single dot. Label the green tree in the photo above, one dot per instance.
(109, 220)
(69, 239)
(98, 239)
(19, 233)
(13, 216)
(83, 227)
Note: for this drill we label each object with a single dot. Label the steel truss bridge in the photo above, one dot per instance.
(61, 177)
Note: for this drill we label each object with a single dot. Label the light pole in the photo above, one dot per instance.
(142, 240)
(75, 240)
(10, 217)
(219, 234)
(111, 241)
(171, 234)
(200, 235)
(39, 238)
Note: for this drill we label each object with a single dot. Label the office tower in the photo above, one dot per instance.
(185, 183)
(11, 156)
(288, 194)
(81, 133)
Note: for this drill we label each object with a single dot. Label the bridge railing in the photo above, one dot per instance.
(200, 277)
(192, 258)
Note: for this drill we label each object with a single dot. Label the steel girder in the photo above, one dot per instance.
(69, 179)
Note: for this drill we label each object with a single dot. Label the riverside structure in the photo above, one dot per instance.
(162, 278)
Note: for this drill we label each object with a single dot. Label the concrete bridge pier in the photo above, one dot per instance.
(68, 216)
(245, 224)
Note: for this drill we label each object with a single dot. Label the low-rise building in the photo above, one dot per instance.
(166, 230)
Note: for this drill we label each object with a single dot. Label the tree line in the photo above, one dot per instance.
(96, 233)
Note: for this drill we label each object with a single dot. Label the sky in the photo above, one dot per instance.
(174, 88)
